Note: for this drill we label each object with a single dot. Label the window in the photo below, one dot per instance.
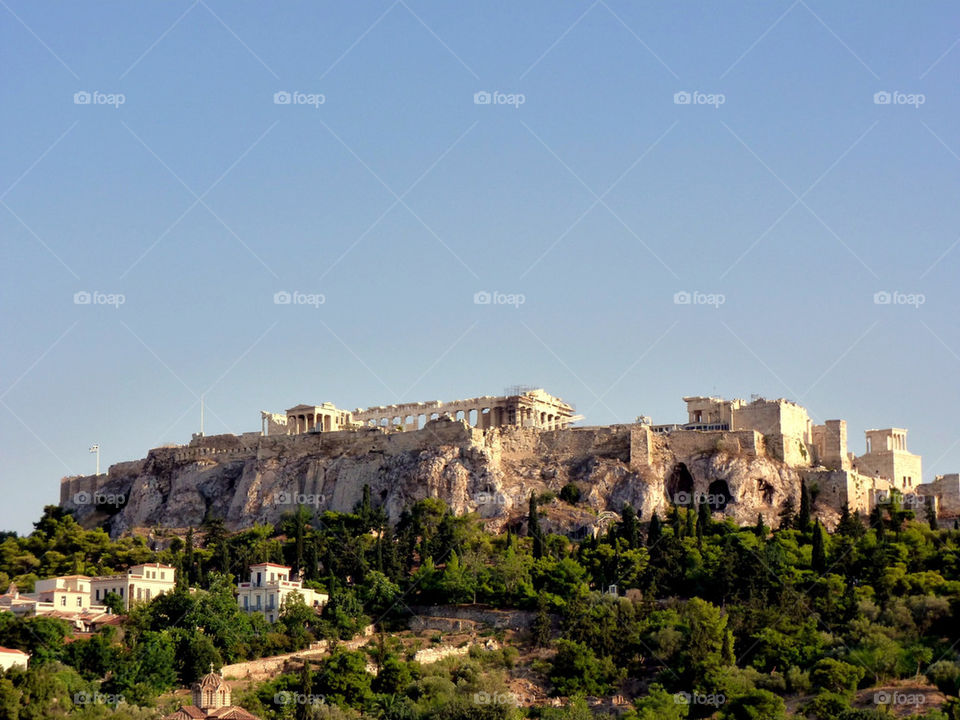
(163, 575)
(147, 594)
(98, 594)
(246, 602)
(121, 592)
(63, 600)
(79, 602)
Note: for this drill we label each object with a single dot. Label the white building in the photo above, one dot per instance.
(141, 583)
(269, 585)
(13, 658)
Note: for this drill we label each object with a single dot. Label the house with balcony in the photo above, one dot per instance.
(267, 588)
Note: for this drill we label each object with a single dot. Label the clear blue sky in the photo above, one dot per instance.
(398, 198)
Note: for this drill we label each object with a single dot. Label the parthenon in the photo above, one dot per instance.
(522, 407)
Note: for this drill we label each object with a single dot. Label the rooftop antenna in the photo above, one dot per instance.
(201, 416)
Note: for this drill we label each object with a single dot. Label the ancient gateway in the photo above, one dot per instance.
(487, 455)
(523, 407)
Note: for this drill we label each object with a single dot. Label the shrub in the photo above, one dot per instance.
(570, 494)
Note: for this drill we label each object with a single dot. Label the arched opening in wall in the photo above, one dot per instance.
(718, 495)
(679, 486)
(472, 418)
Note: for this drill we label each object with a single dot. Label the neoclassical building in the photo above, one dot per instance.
(269, 585)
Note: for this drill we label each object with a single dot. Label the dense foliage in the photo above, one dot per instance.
(695, 616)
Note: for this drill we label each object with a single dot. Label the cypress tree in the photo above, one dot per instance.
(533, 528)
(675, 522)
(691, 522)
(703, 518)
(542, 627)
(876, 522)
(655, 532)
(932, 515)
(760, 529)
(803, 517)
(628, 527)
(819, 554)
(786, 514)
(189, 566)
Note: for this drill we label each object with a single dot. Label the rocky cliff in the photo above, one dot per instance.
(252, 479)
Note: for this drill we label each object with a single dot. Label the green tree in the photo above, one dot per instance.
(803, 517)
(819, 553)
(577, 669)
(533, 527)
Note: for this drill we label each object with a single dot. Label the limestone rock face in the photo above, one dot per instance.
(251, 479)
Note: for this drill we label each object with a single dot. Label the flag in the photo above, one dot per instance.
(95, 448)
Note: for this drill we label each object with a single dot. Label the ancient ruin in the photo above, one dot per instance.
(487, 454)
(521, 407)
